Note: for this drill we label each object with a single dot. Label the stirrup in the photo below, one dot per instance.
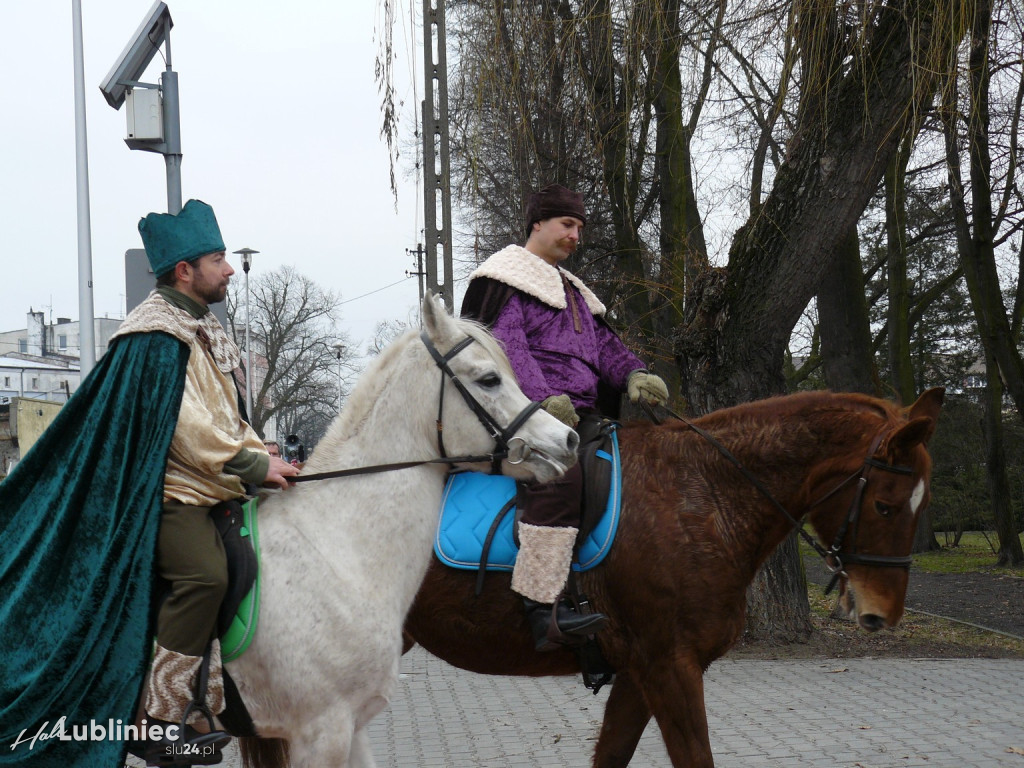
(550, 634)
(195, 748)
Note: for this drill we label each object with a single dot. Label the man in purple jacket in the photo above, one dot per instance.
(562, 350)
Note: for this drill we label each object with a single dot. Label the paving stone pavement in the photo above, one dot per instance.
(842, 713)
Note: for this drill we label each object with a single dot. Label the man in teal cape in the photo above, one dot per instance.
(80, 518)
(78, 525)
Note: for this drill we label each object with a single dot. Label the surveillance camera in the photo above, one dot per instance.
(136, 56)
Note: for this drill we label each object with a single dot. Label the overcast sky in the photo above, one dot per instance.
(280, 116)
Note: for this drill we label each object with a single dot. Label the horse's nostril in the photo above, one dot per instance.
(573, 441)
(872, 622)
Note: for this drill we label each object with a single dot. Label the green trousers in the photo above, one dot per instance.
(190, 555)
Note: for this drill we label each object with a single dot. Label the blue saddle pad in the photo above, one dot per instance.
(473, 500)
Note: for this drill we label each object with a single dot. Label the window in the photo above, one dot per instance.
(62, 341)
(23, 345)
(7, 381)
(35, 383)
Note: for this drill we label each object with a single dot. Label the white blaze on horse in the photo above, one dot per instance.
(343, 558)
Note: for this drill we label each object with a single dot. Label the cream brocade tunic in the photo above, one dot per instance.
(210, 431)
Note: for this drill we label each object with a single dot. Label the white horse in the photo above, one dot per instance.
(343, 558)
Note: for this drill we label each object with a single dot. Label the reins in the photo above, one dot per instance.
(374, 468)
(834, 558)
(502, 437)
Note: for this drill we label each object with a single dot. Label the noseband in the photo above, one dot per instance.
(502, 437)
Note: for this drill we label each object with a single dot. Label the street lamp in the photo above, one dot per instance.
(339, 349)
(247, 254)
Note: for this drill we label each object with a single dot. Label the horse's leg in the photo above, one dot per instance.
(323, 742)
(625, 717)
(362, 754)
(674, 690)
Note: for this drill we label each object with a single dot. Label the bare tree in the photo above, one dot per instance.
(301, 358)
(978, 227)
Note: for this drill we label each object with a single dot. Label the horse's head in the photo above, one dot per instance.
(481, 405)
(871, 524)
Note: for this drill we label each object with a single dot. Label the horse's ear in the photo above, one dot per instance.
(436, 321)
(904, 439)
(920, 426)
(927, 407)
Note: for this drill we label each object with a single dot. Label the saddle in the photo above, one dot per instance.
(479, 519)
(239, 611)
(236, 621)
(477, 525)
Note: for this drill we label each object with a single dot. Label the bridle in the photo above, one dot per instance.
(507, 445)
(502, 437)
(836, 558)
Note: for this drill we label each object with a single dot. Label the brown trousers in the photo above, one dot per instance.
(557, 503)
(190, 555)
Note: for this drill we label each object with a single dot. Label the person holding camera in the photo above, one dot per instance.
(294, 451)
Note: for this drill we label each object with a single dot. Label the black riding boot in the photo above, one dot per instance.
(189, 748)
(568, 628)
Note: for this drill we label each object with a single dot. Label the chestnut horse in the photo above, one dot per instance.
(692, 535)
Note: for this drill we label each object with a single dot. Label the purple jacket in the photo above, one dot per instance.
(554, 349)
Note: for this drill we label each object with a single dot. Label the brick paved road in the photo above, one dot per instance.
(846, 713)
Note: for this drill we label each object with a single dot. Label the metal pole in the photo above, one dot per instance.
(436, 161)
(86, 329)
(172, 135)
(248, 347)
(247, 254)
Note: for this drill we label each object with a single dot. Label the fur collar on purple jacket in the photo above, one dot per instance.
(518, 268)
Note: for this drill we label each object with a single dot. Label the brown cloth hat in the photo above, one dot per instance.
(554, 200)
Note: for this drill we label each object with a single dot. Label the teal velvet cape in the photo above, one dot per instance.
(78, 524)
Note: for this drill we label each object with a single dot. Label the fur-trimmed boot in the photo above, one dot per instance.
(172, 683)
(541, 569)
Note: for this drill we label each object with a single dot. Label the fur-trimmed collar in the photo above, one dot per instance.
(517, 267)
(156, 314)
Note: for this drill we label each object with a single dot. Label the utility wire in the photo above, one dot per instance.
(392, 285)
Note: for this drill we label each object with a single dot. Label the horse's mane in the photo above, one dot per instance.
(790, 420)
(815, 401)
(377, 376)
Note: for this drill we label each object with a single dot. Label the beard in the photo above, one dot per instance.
(212, 293)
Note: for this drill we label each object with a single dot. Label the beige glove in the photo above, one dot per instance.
(648, 386)
(560, 406)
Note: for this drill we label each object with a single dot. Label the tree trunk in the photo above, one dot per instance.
(738, 320)
(844, 325)
(777, 609)
(976, 233)
(1010, 553)
(975, 239)
(901, 368)
(614, 140)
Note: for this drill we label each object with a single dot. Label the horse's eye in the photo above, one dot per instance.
(490, 381)
(883, 509)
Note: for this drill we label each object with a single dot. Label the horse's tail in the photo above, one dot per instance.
(263, 753)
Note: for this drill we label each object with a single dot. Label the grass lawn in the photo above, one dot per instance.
(974, 554)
